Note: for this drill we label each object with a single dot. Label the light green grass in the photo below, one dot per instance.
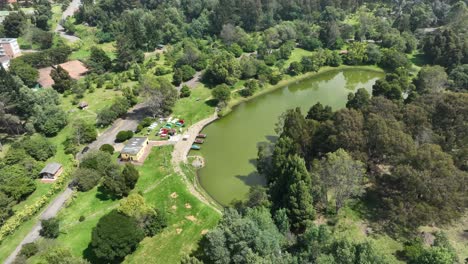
(41, 189)
(157, 182)
(297, 55)
(82, 48)
(194, 108)
(56, 16)
(13, 240)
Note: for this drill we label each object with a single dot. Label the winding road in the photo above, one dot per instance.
(129, 122)
(71, 9)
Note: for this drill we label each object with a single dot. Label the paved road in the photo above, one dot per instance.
(130, 122)
(49, 212)
(74, 6)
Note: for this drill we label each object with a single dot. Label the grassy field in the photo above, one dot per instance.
(188, 218)
(81, 49)
(297, 55)
(197, 103)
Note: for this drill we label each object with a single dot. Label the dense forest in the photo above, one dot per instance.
(398, 156)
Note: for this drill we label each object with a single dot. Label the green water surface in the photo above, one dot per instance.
(231, 146)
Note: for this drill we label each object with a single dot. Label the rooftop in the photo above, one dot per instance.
(75, 68)
(134, 145)
(7, 40)
(51, 168)
(4, 59)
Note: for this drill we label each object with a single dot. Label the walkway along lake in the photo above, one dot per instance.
(230, 149)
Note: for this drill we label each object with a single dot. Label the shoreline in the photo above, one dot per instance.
(292, 79)
(270, 88)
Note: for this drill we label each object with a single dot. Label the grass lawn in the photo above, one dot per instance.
(13, 240)
(41, 189)
(297, 55)
(82, 48)
(56, 16)
(157, 182)
(194, 108)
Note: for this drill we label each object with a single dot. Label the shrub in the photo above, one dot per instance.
(295, 68)
(39, 147)
(29, 211)
(161, 71)
(123, 136)
(50, 228)
(107, 148)
(236, 50)
(82, 218)
(250, 87)
(147, 121)
(28, 250)
(187, 72)
(185, 91)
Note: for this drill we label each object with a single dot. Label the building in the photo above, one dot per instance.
(83, 105)
(76, 69)
(9, 47)
(5, 61)
(134, 149)
(51, 172)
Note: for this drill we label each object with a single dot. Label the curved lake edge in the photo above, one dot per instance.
(294, 79)
(265, 91)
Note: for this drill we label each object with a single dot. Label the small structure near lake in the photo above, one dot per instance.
(134, 149)
(51, 172)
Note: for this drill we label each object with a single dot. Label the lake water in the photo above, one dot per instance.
(231, 146)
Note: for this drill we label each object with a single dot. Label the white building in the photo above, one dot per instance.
(9, 47)
(5, 61)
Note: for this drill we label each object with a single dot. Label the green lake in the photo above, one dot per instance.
(230, 149)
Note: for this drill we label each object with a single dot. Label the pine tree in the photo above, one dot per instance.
(298, 195)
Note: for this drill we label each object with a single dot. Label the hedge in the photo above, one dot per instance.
(29, 211)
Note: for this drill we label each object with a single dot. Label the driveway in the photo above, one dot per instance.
(129, 122)
(71, 9)
(50, 211)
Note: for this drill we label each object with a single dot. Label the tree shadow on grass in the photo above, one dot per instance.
(212, 102)
(419, 60)
(89, 255)
(104, 195)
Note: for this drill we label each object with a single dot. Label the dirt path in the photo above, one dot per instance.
(192, 83)
(179, 155)
(72, 7)
(49, 212)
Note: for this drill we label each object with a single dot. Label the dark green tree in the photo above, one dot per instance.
(115, 236)
(50, 228)
(221, 93)
(85, 179)
(359, 100)
(24, 71)
(98, 61)
(14, 24)
(62, 80)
